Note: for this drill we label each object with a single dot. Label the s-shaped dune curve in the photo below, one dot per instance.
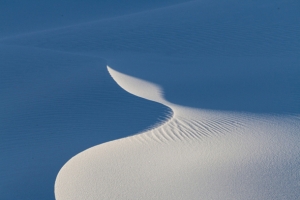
(197, 154)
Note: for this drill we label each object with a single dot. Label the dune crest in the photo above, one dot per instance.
(137, 86)
(197, 154)
(211, 112)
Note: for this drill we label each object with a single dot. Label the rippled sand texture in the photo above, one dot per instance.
(196, 154)
(208, 105)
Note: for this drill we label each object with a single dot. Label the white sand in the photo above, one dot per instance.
(228, 70)
(197, 154)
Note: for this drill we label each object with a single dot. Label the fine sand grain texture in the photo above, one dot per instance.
(168, 99)
(197, 154)
(54, 105)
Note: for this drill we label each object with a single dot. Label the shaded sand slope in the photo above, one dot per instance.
(197, 154)
(236, 56)
(251, 84)
(15, 18)
(229, 70)
(257, 42)
(53, 106)
(195, 28)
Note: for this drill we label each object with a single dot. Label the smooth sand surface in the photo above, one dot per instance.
(201, 100)
(195, 154)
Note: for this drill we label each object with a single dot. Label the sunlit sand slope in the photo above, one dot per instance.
(54, 105)
(214, 100)
(197, 154)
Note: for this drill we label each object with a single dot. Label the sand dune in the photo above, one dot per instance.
(208, 104)
(54, 105)
(197, 154)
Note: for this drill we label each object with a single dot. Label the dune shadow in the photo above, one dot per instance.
(54, 106)
(264, 85)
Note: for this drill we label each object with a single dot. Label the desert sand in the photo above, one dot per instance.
(161, 100)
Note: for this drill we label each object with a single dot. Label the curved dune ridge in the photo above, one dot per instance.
(218, 117)
(54, 105)
(197, 154)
